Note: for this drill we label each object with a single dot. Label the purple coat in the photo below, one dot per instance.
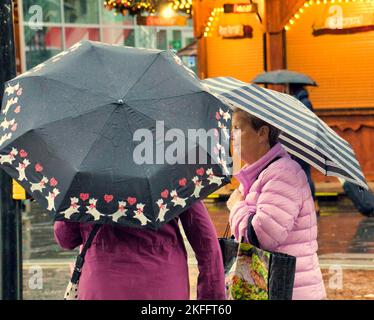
(136, 264)
(284, 216)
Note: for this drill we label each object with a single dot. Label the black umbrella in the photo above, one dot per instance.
(84, 132)
(284, 77)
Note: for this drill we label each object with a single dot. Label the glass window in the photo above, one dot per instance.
(176, 43)
(109, 18)
(74, 35)
(119, 36)
(81, 11)
(38, 11)
(41, 45)
(161, 39)
(146, 37)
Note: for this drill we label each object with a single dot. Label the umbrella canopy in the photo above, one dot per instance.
(284, 77)
(303, 133)
(104, 134)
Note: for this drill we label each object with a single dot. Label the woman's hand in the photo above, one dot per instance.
(235, 197)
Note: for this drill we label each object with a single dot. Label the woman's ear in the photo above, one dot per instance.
(263, 134)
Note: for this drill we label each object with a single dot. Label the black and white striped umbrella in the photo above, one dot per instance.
(303, 134)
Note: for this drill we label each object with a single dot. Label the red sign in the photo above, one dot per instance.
(235, 31)
(161, 21)
(240, 8)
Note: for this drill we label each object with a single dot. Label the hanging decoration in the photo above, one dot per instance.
(148, 7)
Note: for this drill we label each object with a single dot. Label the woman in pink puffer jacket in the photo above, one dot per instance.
(273, 207)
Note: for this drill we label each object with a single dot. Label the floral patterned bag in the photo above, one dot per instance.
(257, 274)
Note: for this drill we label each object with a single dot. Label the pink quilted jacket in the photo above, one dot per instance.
(285, 219)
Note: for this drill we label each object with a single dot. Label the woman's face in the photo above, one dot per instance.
(250, 141)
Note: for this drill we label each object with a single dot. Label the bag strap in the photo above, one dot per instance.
(80, 258)
(272, 161)
(228, 224)
(227, 230)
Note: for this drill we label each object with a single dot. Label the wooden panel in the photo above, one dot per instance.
(239, 58)
(341, 64)
(358, 129)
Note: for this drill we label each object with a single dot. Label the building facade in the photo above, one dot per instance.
(330, 40)
(47, 27)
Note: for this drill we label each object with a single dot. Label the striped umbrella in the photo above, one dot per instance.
(303, 134)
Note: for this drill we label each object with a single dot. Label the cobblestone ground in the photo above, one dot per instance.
(346, 251)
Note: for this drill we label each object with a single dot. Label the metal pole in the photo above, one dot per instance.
(10, 214)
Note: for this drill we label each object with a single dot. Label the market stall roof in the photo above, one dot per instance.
(187, 51)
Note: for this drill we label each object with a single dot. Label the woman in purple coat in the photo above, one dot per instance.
(136, 264)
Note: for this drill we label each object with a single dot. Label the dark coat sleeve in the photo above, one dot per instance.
(362, 199)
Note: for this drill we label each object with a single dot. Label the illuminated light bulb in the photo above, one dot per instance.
(292, 22)
(306, 5)
(301, 10)
(205, 34)
(297, 16)
(168, 12)
(211, 18)
(318, 2)
(209, 23)
(311, 2)
(207, 29)
(286, 28)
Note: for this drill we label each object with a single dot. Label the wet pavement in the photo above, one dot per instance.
(346, 246)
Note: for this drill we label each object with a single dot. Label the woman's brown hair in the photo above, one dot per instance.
(257, 123)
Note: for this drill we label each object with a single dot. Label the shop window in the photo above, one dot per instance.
(81, 11)
(47, 10)
(41, 45)
(161, 40)
(119, 36)
(109, 18)
(74, 35)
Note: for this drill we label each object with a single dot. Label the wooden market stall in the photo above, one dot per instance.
(333, 42)
(330, 40)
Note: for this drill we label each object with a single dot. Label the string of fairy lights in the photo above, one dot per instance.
(310, 3)
(166, 8)
(212, 21)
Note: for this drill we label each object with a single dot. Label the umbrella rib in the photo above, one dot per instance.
(33, 129)
(142, 75)
(68, 84)
(98, 137)
(103, 65)
(165, 98)
(145, 173)
(78, 168)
